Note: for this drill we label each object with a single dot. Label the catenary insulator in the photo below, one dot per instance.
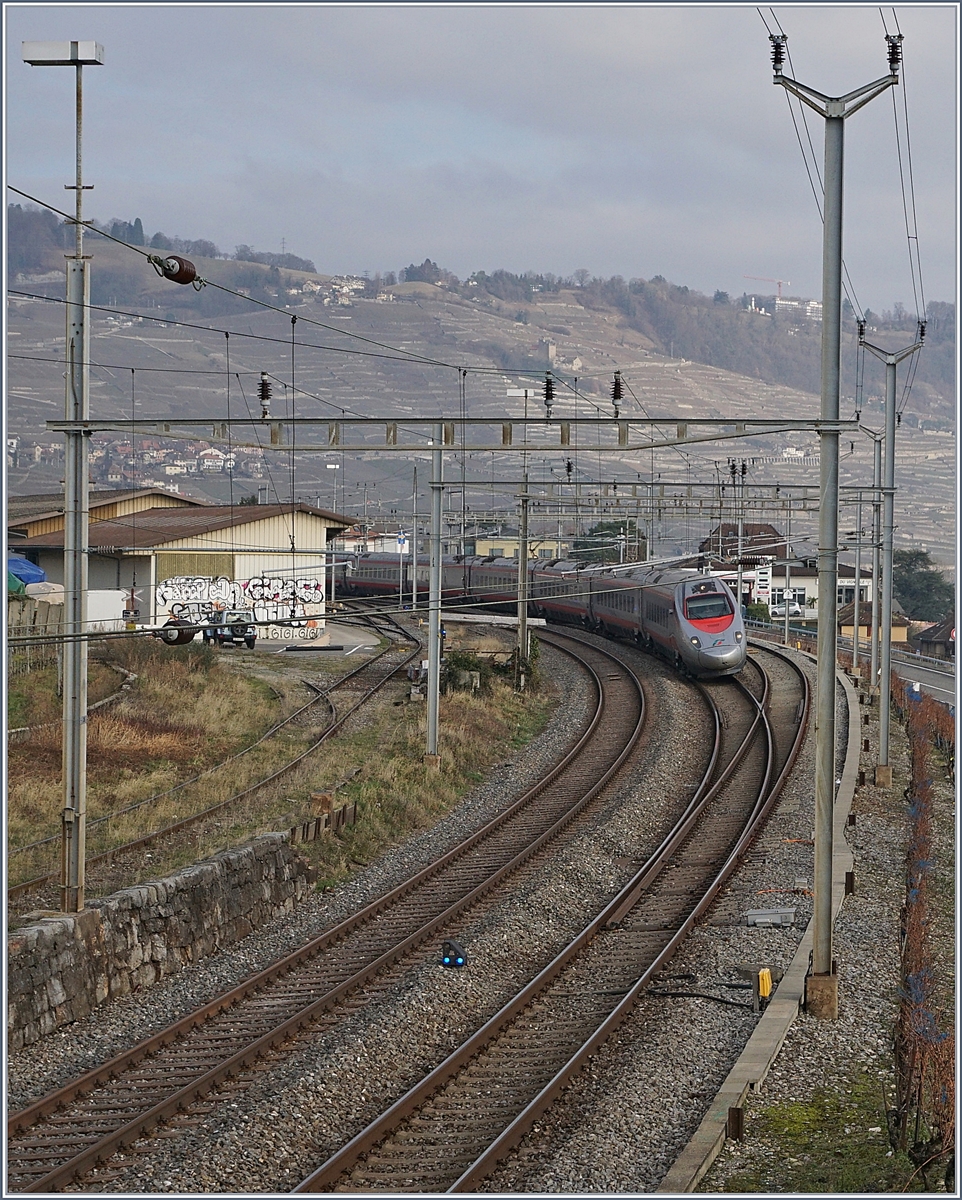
(264, 394)
(778, 41)
(548, 391)
(895, 51)
(617, 391)
(179, 270)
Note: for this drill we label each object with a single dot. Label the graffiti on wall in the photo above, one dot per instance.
(199, 589)
(296, 602)
(263, 588)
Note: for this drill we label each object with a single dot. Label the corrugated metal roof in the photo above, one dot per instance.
(157, 526)
(42, 504)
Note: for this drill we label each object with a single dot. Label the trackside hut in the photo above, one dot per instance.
(170, 555)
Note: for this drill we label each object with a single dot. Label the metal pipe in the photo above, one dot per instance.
(828, 547)
(858, 582)
(79, 153)
(523, 588)
(876, 554)
(434, 595)
(738, 483)
(76, 524)
(883, 775)
(414, 573)
(888, 529)
(788, 575)
(76, 517)
(822, 992)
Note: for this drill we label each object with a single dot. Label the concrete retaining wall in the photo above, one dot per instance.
(63, 966)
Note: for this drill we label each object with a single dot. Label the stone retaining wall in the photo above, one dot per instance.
(64, 965)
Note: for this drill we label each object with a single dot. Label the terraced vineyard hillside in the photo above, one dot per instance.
(169, 369)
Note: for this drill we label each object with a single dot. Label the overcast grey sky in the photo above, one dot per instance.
(627, 139)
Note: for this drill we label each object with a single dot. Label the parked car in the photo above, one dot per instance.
(231, 627)
(794, 610)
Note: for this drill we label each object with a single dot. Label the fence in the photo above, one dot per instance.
(32, 615)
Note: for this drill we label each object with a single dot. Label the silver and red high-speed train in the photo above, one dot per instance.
(689, 617)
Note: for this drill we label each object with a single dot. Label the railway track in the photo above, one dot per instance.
(449, 1131)
(360, 684)
(58, 1138)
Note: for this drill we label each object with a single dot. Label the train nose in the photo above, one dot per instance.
(721, 658)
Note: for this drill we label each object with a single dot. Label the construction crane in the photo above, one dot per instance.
(765, 279)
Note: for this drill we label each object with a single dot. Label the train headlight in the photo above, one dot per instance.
(695, 642)
(738, 635)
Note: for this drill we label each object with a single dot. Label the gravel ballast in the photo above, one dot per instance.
(622, 1124)
(41, 1068)
(345, 1074)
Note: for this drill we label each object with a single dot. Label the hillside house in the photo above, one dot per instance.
(761, 541)
(938, 640)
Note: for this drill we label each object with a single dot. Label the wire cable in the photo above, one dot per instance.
(230, 448)
(819, 191)
(260, 337)
(62, 362)
(397, 354)
(407, 354)
(909, 210)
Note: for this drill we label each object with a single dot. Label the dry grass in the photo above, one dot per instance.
(32, 698)
(377, 758)
(184, 714)
(397, 794)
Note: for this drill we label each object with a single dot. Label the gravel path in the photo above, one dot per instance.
(824, 1056)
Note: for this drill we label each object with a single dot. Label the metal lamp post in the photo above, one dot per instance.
(822, 984)
(432, 756)
(858, 583)
(883, 771)
(876, 555)
(76, 502)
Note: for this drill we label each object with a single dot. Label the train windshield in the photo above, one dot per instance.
(703, 608)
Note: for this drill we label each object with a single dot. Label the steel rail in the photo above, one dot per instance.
(130, 676)
(768, 796)
(329, 1172)
(105, 856)
(98, 1075)
(173, 1103)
